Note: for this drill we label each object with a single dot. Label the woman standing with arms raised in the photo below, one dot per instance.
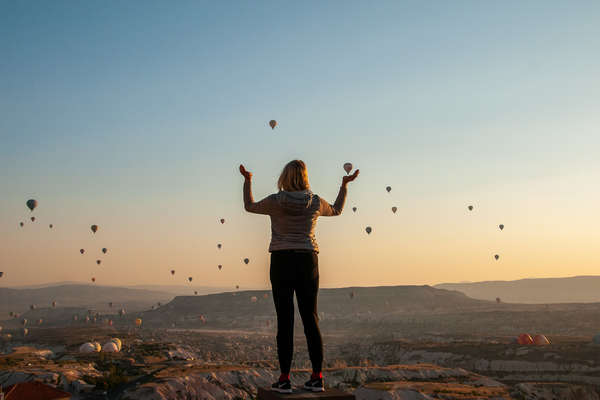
(294, 263)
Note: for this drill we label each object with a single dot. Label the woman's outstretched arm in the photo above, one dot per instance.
(328, 210)
(265, 206)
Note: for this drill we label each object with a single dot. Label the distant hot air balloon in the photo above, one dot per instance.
(246, 261)
(498, 300)
(354, 209)
(525, 339)
(25, 331)
(121, 312)
(222, 220)
(138, 322)
(51, 226)
(348, 167)
(501, 226)
(540, 340)
(31, 204)
(195, 292)
(190, 279)
(98, 262)
(352, 294)
(104, 250)
(93, 279)
(21, 224)
(470, 208)
(272, 124)
(32, 307)
(368, 229)
(32, 219)
(1, 274)
(53, 304)
(496, 256)
(172, 272)
(110, 304)
(158, 304)
(394, 209)
(253, 299)
(388, 188)
(219, 245)
(40, 321)
(220, 266)
(237, 286)
(94, 228)
(24, 321)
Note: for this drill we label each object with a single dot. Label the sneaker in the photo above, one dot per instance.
(315, 385)
(282, 387)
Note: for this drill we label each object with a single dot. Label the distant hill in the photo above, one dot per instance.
(577, 289)
(78, 295)
(238, 309)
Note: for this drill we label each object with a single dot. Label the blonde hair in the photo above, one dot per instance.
(294, 177)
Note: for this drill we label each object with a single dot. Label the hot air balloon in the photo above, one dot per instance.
(253, 299)
(354, 209)
(272, 124)
(24, 321)
(525, 339)
(172, 272)
(53, 304)
(94, 228)
(470, 208)
(540, 340)
(31, 204)
(121, 312)
(51, 226)
(219, 246)
(32, 307)
(190, 279)
(104, 250)
(195, 292)
(220, 266)
(158, 303)
(93, 279)
(246, 261)
(1, 274)
(237, 286)
(32, 219)
(81, 251)
(368, 229)
(222, 220)
(388, 188)
(498, 300)
(394, 209)
(352, 294)
(25, 331)
(138, 322)
(98, 262)
(40, 321)
(21, 224)
(110, 304)
(496, 256)
(501, 226)
(348, 167)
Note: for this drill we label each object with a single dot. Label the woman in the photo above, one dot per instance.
(294, 264)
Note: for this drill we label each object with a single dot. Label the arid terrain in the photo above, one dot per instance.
(405, 342)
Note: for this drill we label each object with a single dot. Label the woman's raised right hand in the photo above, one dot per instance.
(349, 178)
(246, 174)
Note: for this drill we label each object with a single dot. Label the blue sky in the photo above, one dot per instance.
(134, 115)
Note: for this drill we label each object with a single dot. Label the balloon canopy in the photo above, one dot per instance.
(525, 339)
(31, 204)
(246, 261)
(540, 340)
(369, 230)
(272, 124)
(388, 188)
(94, 228)
(348, 167)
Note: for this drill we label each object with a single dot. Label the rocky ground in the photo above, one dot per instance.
(217, 364)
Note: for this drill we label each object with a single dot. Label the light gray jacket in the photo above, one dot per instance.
(293, 216)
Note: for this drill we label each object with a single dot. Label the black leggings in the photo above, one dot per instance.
(296, 271)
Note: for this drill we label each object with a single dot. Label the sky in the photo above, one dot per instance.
(135, 116)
